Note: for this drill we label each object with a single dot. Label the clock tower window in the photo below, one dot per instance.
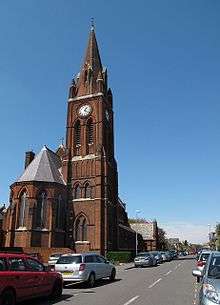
(89, 131)
(77, 192)
(77, 133)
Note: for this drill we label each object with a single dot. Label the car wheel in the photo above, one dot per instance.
(91, 280)
(8, 298)
(57, 290)
(113, 274)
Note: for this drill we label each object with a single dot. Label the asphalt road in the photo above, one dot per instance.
(168, 284)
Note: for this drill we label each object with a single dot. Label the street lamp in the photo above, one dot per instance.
(136, 234)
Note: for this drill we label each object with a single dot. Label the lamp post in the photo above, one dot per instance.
(136, 234)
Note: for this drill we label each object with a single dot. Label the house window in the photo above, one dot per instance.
(81, 229)
(77, 132)
(41, 210)
(23, 206)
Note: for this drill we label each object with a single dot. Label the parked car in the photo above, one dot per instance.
(166, 256)
(54, 258)
(203, 257)
(144, 259)
(86, 267)
(157, 256)
(209, 290)
(173, 253)
(22, 277)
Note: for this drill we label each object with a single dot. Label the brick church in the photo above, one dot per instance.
(69, 198)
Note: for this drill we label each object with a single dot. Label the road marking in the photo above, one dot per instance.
(132, 300)
(168, 273)
(157, 281)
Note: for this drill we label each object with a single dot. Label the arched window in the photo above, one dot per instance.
(88, 190)
(81, 229)
(23, 206)
(77, 132)
(41, 210)
(59, 213)
(77, 192)
(89, 132)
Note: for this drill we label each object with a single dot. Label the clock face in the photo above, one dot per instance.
(85, 110)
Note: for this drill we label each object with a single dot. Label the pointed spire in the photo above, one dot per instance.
(91, 68)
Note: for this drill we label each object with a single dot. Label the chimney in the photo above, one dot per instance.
(29, 157)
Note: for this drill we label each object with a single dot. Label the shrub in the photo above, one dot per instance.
(120, 256)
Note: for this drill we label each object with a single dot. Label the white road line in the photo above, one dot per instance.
(168, 273)
(157, 281)
(132, 300)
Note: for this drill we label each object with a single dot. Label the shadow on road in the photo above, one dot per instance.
(98, 283)
(46, 301)
(184, 258)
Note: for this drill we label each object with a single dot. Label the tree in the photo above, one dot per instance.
(217, 243)
(162, 241)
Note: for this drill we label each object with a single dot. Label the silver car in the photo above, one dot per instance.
(86, 267)
(144, 259)
(158, 256)
(210, 284)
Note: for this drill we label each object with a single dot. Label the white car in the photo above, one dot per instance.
(85, 267)
(203, 257)
(53, 259)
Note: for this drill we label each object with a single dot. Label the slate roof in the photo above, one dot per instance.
(146, 229)
(45, 167)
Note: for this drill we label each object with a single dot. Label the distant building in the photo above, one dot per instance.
(149, 233)
(2, 212)
(173, 241)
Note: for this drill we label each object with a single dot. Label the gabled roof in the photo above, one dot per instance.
(45, 167)
(146, 229)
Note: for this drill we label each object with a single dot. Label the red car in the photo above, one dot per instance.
(22, 277)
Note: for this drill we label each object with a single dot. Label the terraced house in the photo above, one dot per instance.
(69, 198)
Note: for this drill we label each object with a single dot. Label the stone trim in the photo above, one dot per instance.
(85, 96)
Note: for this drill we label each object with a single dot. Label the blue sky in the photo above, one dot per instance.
(163, 59)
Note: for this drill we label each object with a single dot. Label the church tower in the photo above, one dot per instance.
(89, 166)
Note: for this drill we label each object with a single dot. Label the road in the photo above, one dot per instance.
(168, 284)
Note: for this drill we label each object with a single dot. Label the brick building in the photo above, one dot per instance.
(69, 198)
(149, 233)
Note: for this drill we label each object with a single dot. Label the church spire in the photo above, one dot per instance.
(91, 67)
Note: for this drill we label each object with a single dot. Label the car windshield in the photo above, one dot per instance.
(204, 256)
(214, 267)
(143, 254)
(70, 260)
(55, 255)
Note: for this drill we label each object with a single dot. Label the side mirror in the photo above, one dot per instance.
(107, 262)
(197, 273)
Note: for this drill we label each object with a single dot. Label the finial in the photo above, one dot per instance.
(92, 24)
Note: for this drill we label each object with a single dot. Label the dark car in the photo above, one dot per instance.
(22, 277)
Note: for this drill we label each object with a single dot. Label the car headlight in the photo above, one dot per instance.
(210, 293)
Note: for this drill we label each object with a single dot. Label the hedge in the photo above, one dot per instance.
(120, 256)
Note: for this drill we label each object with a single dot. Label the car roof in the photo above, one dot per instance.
(2, 254)
(79, 254)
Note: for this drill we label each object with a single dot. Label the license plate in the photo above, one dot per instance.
(67, 273)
